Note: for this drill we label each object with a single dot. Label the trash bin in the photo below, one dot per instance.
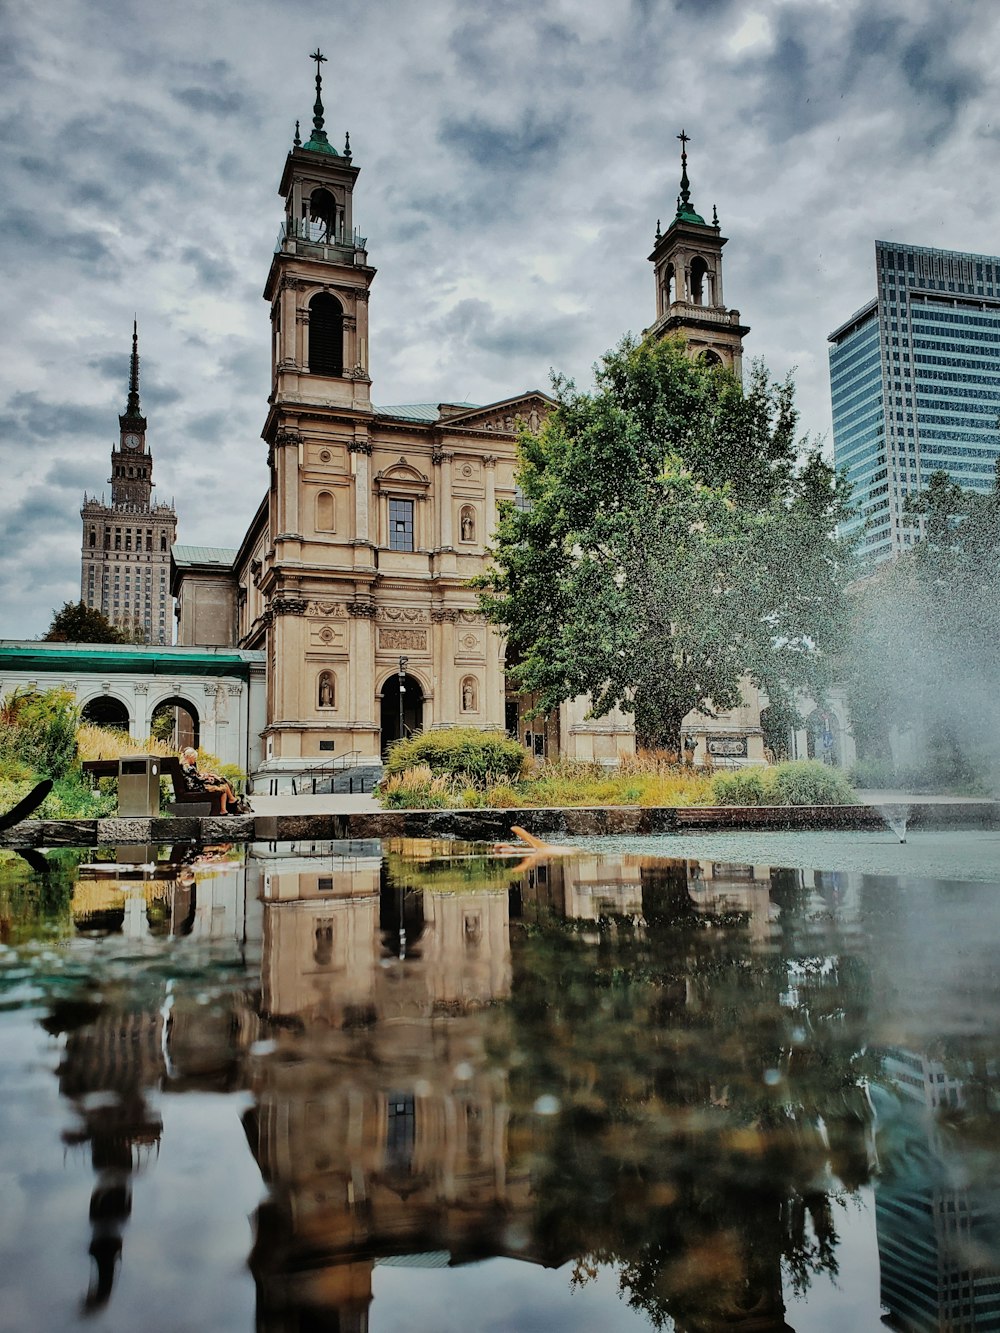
(139, 785)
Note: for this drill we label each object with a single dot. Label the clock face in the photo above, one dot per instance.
(131, 441)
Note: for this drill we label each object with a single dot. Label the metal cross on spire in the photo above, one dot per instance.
(320, 59)
(685, 183)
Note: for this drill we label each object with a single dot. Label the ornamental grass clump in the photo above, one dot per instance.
(808, 782)
(417, 788)
(800, 782)
(459, 753)
(742, 786)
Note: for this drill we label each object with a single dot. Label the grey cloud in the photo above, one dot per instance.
(74, 474)
(41, 230)
(40, 514)
(33, 416)
(212, 101)
(213, 271)
(507, 147)
(475, 324)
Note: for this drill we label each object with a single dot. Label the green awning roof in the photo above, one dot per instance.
(67, 659)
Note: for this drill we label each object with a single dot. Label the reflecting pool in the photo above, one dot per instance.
(751, 1085)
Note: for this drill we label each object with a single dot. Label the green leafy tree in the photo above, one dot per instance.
(75, 622)
(675, 543)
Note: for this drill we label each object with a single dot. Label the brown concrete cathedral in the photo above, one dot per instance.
(353, 575)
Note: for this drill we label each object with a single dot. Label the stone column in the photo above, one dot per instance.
(444, 537)
(362, 452)
(490, 517)
(142, 722)
(361, 349)
(362, 675)
(493, 686)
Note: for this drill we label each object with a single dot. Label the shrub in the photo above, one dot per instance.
(808, 782)
(459, 752)
(742, 786)
(39, 730)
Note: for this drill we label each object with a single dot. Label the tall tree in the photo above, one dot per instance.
(677, 542)
(75, 622)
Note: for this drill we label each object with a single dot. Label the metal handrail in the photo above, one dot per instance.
(341, 763)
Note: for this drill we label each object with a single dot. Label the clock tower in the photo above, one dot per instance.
(125, 564)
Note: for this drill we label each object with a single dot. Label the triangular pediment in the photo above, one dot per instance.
(501, 418)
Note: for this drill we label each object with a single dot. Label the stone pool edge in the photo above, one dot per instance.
(489, 825)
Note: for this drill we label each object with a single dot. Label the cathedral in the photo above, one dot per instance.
(353, 574)
(125, 557)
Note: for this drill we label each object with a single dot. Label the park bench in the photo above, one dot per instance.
(190, 802)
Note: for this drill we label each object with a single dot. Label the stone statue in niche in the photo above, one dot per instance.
(469, 695)
(468, 522)
(326, 690)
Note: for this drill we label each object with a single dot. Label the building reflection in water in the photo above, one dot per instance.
(654, 1065)
(937, 1220)
(140, 1036)
(381, 978)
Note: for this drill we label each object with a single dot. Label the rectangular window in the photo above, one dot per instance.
(400, 525)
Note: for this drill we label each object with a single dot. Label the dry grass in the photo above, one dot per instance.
(104, 743)
(647, 780)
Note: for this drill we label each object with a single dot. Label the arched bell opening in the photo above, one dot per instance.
(701, 282)
(326, 335)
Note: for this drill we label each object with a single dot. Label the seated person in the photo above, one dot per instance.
(211, 782)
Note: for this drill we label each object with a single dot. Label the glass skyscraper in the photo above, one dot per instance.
(915, 384)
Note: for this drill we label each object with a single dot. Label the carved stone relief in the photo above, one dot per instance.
(414, 639)
(329, 610)
(402, 614)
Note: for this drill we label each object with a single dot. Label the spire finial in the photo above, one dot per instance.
(715, 216)
(132, 408)
(347, 145)
(659, 233)
(685, 183)
(685, 209)
(318, 131)
(297, 141)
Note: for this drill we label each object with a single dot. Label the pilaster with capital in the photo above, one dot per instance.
(361, 459)
(490, 517)
(444, 517)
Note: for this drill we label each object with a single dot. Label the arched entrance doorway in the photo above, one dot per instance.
(175, 720)
(105, 711)
(412, 713)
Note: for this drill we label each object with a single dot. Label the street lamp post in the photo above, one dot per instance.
(402, 690)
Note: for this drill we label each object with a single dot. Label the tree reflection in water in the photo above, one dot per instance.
(711, 1115)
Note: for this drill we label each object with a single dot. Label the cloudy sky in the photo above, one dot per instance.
(514, 155)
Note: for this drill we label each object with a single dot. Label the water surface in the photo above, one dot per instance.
(749, 1086)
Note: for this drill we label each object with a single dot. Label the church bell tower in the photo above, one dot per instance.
(320, 547)
(687, 263)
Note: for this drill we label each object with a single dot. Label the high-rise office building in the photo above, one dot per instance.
(915, 385)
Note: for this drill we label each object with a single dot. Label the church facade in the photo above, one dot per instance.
(125, 553)
(353, 576)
